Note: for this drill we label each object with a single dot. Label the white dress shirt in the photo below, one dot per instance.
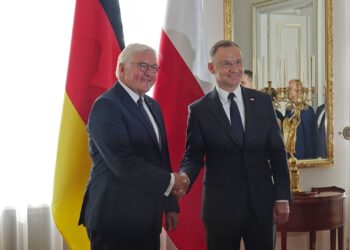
(223, 95)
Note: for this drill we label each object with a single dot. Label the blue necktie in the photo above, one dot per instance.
(236, 121)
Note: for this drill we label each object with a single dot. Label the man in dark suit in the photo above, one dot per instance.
(273, 93)
(131, 178)
(247, 79)
(246, 182)
(320, 133)
(304, 145)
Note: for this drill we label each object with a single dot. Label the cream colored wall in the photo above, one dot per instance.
(339, 174)
(213, 11)
(242, 32)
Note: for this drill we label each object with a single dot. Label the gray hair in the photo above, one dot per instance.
(130, 51)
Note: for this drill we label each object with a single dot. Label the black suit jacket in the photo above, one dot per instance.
(257, 171)
(130, 172)
(304, 146)
(320, 133)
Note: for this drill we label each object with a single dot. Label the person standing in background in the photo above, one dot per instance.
(247, 79)
(320, 133)
(304, 146)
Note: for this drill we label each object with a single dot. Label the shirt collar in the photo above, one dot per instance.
(223, 94)
(132, 94)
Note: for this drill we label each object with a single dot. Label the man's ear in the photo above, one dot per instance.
(211, 68)
(121, 69)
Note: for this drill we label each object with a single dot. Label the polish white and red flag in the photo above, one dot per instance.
(182, 79)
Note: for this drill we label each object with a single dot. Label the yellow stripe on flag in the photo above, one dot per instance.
(72, 171)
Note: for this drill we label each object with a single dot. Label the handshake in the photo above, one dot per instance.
(181, 185)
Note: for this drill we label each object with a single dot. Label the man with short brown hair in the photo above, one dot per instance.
(233, 132)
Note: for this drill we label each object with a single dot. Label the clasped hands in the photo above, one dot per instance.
(181, 185)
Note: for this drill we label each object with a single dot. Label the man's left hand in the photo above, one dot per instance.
(171, 220)
(280, 212)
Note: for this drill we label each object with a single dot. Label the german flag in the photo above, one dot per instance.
(97, 40)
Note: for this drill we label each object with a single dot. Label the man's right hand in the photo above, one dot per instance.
(181, 185)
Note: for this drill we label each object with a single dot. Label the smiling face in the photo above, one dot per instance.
(294, 90)
(137, 80)
(227, 67)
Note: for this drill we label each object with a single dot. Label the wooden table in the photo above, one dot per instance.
(320, 209)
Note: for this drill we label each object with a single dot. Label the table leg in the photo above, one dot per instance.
(341, 238)
(333, 239)
(312, 240)
(283, 240)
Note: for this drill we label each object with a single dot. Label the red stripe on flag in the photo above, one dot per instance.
(175, 89)
(93, 56)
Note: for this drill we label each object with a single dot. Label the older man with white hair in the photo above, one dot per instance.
(131, 181)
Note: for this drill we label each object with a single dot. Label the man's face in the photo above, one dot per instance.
(227, 67)
(292, 90)
(139, 74)
(246, 82)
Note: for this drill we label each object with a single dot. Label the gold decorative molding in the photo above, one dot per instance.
(329, 69)
(329, 81)
(228, 20)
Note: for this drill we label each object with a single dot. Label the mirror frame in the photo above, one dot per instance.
(228, 20)
(228, 34)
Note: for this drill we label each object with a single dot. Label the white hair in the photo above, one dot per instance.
(130, 51)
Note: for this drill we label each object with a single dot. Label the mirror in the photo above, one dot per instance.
(282, 40)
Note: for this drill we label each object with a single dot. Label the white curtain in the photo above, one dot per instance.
(34, 50)
(29, 228)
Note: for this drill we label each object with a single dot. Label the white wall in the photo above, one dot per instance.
(213, 12)
(339, 174)
(242, 31)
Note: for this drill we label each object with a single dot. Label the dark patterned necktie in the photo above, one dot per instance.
(146, 118)
(236, 121)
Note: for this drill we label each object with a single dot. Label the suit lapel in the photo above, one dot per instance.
(157, 118)
(134, 110)
(215, 107)
(322, 122)
(250, 115)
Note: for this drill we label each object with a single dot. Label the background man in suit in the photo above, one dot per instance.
(304, 146)
(273, 95)
(320, 133)
(246, 183)
(247, 79)
(130, 180)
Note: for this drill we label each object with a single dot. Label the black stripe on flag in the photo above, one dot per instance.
(112, 10)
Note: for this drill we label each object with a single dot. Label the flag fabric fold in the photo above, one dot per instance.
(97, 40)
(182, 79)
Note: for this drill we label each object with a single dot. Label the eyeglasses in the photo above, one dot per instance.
(144, 67)
(229, 65)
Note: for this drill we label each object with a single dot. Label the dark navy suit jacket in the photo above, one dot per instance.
(304, 145)
(320, 133)
(130, 173)
(257, 171)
